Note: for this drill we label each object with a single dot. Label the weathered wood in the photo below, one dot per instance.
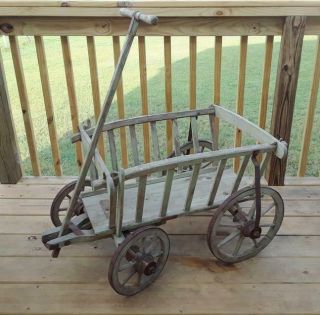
(285, 92)
(168, 90)
(95, 87)
(310, 115)
(215, 185)
(134, 144)
(155, 141)
(242, 169)
(120, 103)
(214, 130)
(44, 76)
(71, 93)
(166, 193)
(240, 96)
(113, 150)
(192, 186)
(195, 137)
(265, 82)
(25, 107)
(144, 95)
(193, 72)
(10, 167)
(140, 198)
(176, 138)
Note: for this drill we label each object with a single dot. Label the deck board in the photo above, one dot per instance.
(283, 279)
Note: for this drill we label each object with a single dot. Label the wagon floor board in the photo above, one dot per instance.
(283, 279)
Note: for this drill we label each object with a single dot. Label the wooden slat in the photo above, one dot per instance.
(166, 193)
(215, 186)
(310, 115)
(10, 167)
(168, 90)
(155, 141)
(243, 167)
(46, 90)
(192, 186)
(134, 144)
(95, 87)
(140, 198)
(71, 93)
(120, 103)
(217, 83)
(118, 216)
(214, 130)
(193, 72)
(285, 92)
(25, 107)
(176, 138)
(265, 82)
(144, 95)
(240, 96)
(113, 150)
(195, 137)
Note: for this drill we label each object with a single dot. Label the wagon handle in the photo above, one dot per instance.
(137, 15)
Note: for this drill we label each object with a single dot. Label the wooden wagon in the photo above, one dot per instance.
(128, 204)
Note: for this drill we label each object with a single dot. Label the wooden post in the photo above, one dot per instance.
(285, 91)
(10, 168)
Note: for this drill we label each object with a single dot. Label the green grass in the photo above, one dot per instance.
(156, 93)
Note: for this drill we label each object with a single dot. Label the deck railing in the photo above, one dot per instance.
(290, 20)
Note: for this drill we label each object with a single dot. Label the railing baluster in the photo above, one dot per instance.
(310, 115)
(120, 103)
(217, 87)
(71, 93)
(243, 167)
(265, 82)
(195, 138)
(25, 107)
(113, 150)
(134, 144)
(166, 193)
(192, 186)
(155, 141)
(168, 89)
(144, 95)
(46, 91)
(95, 87)
(216, 182)
(193, 72)
(240, 97)
(140, 198)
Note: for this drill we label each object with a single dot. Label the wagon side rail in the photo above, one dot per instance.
(170, 166)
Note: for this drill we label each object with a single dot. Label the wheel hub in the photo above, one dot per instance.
(146, 265)
(249, 229)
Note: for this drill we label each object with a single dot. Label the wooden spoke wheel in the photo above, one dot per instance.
(231, 234)
(139, 260)
(61, 202)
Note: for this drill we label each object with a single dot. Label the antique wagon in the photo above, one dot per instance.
(129, 204)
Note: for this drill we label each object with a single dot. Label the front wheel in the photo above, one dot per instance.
(229, 237)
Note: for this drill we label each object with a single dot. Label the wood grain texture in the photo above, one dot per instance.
(10, 167)
(65, 45)
(25, 106)
(120, 103)
(240, 94)
(285, 92)
(310, 115)
(46, 90)
(168, 90)
(95, 87)
(144, 94)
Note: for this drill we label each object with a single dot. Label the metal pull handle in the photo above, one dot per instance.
(149, 19)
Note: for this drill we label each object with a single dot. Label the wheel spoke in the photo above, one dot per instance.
(229, 238)
(255, 242)
(139, 279)
(230, 225)
(268, 209)
(238, 245)
(267, 225)
(129, 277)
(126, 266)
(158, 254)
(252, 210)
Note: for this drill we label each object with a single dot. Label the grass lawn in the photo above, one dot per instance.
(156, 93)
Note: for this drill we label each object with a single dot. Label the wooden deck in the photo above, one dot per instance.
(283, 279)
